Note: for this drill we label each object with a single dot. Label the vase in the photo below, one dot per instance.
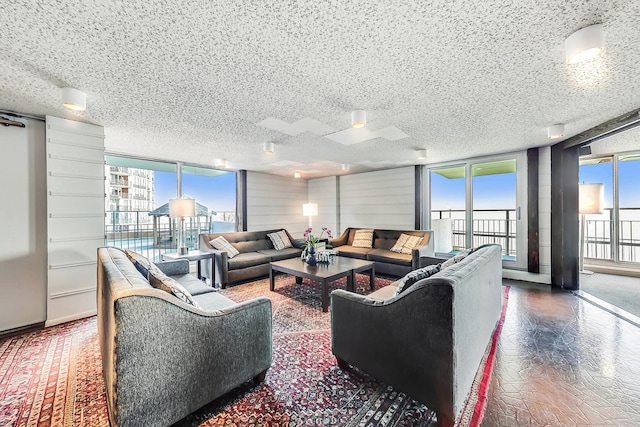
(311, 256)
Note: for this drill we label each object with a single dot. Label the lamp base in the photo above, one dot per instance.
(183, 251)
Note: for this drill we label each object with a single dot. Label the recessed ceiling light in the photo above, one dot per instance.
(74, 99)
(358, 118)
(296, 175)
(345, 167)
(268, 147)
(584, 44)
(556, 131)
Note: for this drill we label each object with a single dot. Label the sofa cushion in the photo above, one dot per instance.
(351, 252)
(165, 283)
(414, 276)
(456, 258)
(363, 239)
(222, 244)
(192, 284)
(278, 255)
(142, 263)
(384, 293)
(280, 240)
(249, 259)
(383, 255)
(212, 301)
(406, 243)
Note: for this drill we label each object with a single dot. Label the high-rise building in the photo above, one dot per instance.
(128, 191)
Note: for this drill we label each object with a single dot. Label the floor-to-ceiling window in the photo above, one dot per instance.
(479, 202)
(137, 203)
(614, 235)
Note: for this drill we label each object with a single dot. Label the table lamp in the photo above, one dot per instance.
(182, 208)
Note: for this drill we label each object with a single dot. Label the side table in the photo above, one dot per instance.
(195, 255)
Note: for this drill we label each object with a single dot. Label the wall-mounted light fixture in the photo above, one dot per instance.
(584, 44)
(422, 154)
(74, 99)
(297, 175)
(345, 167)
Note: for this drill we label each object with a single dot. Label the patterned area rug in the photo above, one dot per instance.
(53, 377)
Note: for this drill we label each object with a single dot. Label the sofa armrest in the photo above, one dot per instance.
(342, 240)
(299, 243)
(191, 353)
(423, 251)
(174, 267)
(430, 260)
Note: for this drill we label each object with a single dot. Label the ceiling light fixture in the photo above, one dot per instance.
(268, 147)
(221, 163)
(296, 175)
(556, 131)
(584, 44)
(345, 167)
(358, 118)
(422, 154)
(74, 99)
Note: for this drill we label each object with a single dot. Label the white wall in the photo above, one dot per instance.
(324, 192)
(380, 199)
(275, 201)
(23, 225)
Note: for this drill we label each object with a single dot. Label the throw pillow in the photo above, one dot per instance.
(363, 239)
(406, 243)
(141, 262)
(222, 244)
(455, 259)
(280, 240)
(414, 276)
(159, 280)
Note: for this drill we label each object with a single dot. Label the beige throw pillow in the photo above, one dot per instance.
(161, 281)
(222, 244)
(406, 243)
(280, 240)
(142, 263)
(363, 239)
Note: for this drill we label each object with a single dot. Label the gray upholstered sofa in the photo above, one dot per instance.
(163, 358)
(256, 252)
(387, 262)
(428, 341)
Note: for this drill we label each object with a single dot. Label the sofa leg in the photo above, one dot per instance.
(444, 421)
(260, 377)
(342, 364)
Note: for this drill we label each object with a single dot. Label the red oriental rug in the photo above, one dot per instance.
(53, 377)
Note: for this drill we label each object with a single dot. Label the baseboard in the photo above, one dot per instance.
(76, 316)
(526, 276)
(22, 330)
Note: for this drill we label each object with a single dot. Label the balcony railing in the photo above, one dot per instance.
(599, 229)
(136, 231)
(489, 226)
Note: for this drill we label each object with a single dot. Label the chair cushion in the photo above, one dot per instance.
(384, 293)
(248, 259)
(280, 240)
(406, 243)
(456, 258)
(212, 301)
(412, 277)
(363, 239)
(142, 263)
(383, 255)
(278, 255)
(351, 252)
(222, 244)
(165, 283)
(192, 284)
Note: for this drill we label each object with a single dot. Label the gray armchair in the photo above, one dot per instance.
(428, 341)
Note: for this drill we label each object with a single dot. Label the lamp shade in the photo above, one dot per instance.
(181, 208)
(584, 44)
(310, 209)
(74, 99)
(591, 198)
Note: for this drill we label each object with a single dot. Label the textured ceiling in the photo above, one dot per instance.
(191, 80)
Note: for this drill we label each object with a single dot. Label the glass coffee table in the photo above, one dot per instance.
(324, 273)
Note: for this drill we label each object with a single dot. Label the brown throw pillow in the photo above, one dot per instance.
(161, 281)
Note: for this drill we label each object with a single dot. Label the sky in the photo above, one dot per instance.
(628, 180)
(489, 192)
(218, 193)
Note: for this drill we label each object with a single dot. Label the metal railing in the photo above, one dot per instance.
(599, 236)
(498, 226)
(137, 231)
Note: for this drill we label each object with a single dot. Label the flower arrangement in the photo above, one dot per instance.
(312, 241)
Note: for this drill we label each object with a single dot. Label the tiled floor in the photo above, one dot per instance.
(562, 361)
